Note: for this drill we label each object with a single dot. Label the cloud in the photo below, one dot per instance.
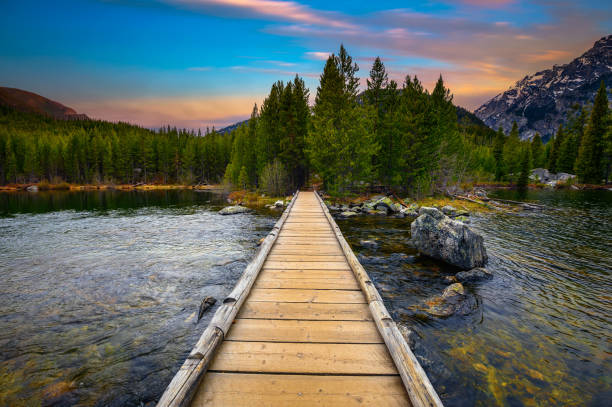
(318, 55)
(547, 56)
(274, 9)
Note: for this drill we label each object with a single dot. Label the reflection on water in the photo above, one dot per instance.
(100, 290)
(541, 335)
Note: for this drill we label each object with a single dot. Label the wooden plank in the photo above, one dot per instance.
(328, 358)
(307, 250)
(280, 330)
(302, 295)
(308, 283)
(305, 310)
(265, 390)
(293, 240)
(299, 257)
(287, 274)
(307, 265)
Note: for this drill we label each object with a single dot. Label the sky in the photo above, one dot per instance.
(199, 63)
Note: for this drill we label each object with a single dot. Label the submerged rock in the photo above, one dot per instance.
(442, 238)
(393, 259)
(453, 300)
(476, 274)
(369, 244)
(233, 210)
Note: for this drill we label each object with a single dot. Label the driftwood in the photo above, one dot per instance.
(185, 383)
(417, 384)
(206, 303)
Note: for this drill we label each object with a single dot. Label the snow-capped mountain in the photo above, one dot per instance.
(539, 102)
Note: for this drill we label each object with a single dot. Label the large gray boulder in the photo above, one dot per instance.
(233, 210)
(442, 238)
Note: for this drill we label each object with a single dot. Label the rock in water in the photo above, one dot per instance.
(454, 300)
(233, 210)
(348, 214)
(477, 274)
(206, 303)
(442, 238)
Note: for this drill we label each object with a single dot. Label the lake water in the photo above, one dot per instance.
(541, 334)
(100, 292)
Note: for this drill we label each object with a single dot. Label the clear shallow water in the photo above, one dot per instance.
(541, 334)
(100, 290)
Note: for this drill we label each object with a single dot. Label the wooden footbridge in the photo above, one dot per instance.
(303, 326)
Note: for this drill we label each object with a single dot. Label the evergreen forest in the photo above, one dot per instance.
(392, 136)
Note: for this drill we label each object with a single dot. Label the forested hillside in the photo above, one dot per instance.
(35, 147)
(397, 137)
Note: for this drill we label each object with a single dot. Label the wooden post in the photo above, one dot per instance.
(417, 384)
(185, 383)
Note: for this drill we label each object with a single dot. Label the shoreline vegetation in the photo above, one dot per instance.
(65, 186)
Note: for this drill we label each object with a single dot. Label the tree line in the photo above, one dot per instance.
(391, 136)
(35, 147)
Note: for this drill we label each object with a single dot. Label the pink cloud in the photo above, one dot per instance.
(318, 55)
(550, 55)
(281, 10)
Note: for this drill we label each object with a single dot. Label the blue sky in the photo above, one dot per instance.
(196, 63)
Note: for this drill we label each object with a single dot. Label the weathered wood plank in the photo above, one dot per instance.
(301, 295)
(308, 283)
(279, 357)
(279, 330)
(265, 390)
(298, 257)
(287, 273)
(305, 310)
(307, 265)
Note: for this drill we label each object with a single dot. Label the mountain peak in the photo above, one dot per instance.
(539, 102)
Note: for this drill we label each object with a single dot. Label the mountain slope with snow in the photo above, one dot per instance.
(539, 102)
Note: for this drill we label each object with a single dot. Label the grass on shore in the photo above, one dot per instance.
(65, 186)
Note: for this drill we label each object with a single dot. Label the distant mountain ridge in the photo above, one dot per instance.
(29, 102)
(539, 102)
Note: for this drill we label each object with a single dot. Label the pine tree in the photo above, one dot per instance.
(555, 149)
(243, 178)
(498, 154)
(377, 83)
(374, 94)
(341, 143)
(512, 151)
(589, 165)
(537, 151)
(525, 164)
